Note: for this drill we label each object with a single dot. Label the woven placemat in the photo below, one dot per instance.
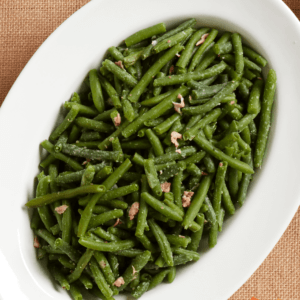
(25, 24)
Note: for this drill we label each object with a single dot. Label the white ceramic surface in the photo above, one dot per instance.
(57, 69)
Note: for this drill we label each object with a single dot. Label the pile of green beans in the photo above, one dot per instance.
(155, 150)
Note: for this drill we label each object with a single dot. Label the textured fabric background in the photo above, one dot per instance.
(25, 24)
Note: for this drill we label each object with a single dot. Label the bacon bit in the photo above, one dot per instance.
(36, 243)
(232, 81)
(169, 76)
(77, 142)
(162, 207)
(169, 41)
(203, 173)
(219, 55)
(232, 102)
(177, 106)
(181, 236)
(178, 151)
(111, 139)
(61, 209)
(117, 222)
(205, 221)
(134, 209)
(186, 199)
(190, 97)
(102, 264)
(120, 281)
(259, 78)
(133, 270)
(174, 136)
(171, 70)
(85, 162)
(117, 120)
(221, 164)
(119, 64)
(160, 172)
(154, 43)
(166, 187)
(177, 54)
(202, 40)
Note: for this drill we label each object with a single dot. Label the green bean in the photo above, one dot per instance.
(188, 253)
(174, 207)
(82, 263)
(59, 276)
(152, 177)
(219, 183)
(178, 240)
(106, 270)
(153, 70)
(74, 134)
(137, 144)
(50, 148)
(105, 143)
(264, 127)
(120, 73)
(145, 34)
(96, 90)
(99, 279)
(114, 264)
(210, 117)
(92, 154)
(47, 236)
(140, 289)
(167, 124)
(157, 99)
(83, 109)
(161, 207)
(110, 90)
(221, 219)
(157, 90)
(44, 211)
(148, 245)
(238, 52)
(251, 65)
(89, 145)
(63, 138)
(47, 161)
(67, 194)
(251, 54)
(197, 56)
(158, 278)
(207, 91)
(73, 254)
(187, 53)
(105, 235)
(75, 292)
(172, 41)
(171, 156)
(197, 202)
(107, 247)
(67, 222)
(86, 281)
(88, 175)
(94, 125)
(155, 142)
(197, 75)
(171, 171)
(234, 163)
(223, 39)
(254, 104)
(136, 265)
(196, 236)
(162, 241)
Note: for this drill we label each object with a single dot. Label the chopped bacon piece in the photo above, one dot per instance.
(186, 199)
(202, 40)
(133, 270)
(160, 172)
(86, 161)
(169, 41)
(117, 120)
(232, 102)
(178, 151)
(119, 64)
(181, 236)
(203, 173)
(177, 54)
(134, 209)
(36, 243)
(154, 43)
(174, 136)
(221, 164)
(117, 222)
(120, 281)
(102, 264)
(61, 209)
(166, 187)
(171, 70)
(177, 106)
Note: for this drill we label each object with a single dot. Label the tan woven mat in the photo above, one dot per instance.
(25, 24)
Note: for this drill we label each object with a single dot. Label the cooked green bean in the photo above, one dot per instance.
(254, 104)
(251, 54)
(96, 91)
(265, 121)
(152, 177)
(83, 109)
(59, 276)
